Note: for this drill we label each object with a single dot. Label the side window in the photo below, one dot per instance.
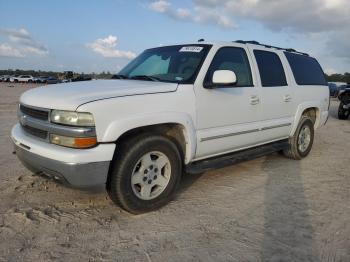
(306, 70)
(270, 68)
(234, 59)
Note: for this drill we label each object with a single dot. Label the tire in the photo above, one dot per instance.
(30, 81)
(16, 81)
(129, 162)
(343, 114)
(295, 150)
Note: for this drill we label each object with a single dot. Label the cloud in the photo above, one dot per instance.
(339, 44)
(328, 18)
(298, 15)
(8, 51)
(160, 6)
(107, 48)
(197, 15)
(23, 42)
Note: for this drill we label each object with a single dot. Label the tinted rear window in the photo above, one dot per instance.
(306, 70)
(270, 68)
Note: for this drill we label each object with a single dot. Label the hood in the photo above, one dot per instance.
(69, 96)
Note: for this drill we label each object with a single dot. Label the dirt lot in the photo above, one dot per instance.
(268, 209)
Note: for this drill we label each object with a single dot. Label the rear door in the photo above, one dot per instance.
(277, 95)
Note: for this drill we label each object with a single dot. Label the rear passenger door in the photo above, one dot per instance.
(277, 97)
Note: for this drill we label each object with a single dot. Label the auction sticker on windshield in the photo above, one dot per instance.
(195, 49)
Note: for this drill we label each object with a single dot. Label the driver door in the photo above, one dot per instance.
(227, 117)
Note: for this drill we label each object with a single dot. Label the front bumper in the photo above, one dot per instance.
(76, 167)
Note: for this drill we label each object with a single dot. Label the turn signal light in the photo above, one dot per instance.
(74, 142)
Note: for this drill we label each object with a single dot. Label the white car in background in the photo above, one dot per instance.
(22, 79)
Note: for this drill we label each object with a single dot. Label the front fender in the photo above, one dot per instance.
(120, 126)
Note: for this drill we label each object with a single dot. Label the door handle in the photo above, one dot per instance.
(254, 100)
(287, 98)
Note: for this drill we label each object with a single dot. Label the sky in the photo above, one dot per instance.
(94, 36)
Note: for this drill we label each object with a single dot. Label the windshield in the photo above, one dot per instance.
(179, 64)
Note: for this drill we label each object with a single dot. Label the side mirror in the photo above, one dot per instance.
(222, 78)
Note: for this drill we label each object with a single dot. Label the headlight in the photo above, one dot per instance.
(75, 142)
(72, 118)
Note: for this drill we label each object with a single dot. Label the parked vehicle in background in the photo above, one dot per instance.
(190, 107)
(41, 79)
(81, 78)
(344, 105)
(342, 87)
(52, 80)
(333, 89)
(47, 80)
(23, 79)
(14, 78)
(5, 78)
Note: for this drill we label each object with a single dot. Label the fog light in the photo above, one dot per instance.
(75, 142)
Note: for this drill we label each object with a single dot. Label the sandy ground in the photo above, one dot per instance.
(268, 209)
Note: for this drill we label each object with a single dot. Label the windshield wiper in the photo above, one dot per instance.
(119, 77)
(145, 77)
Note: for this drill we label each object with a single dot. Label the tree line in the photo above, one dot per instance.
(37, 73)
(103, 75)
(339, 78)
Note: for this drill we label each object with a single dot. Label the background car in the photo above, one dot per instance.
(52, 80)
(342, 87)
(333, 89)
(47, 80)
(26, 79)
(22, 79)
(4, 78)
(14, 78)
(41, 79)
(82, 78)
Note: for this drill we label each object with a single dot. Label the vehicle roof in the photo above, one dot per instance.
(242, 43)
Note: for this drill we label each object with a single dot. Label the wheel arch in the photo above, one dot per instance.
(179, 128)
(309, 109)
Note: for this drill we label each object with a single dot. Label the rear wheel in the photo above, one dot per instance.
(300, 143)
(343, 113)
(145, 173)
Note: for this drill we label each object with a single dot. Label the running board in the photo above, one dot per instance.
(235, 157)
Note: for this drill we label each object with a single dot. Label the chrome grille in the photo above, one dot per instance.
(35, 132)
(35, 113)
(36, 122)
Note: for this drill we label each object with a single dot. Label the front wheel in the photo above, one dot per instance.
(145, 173)
(343, 113)
(300, 143)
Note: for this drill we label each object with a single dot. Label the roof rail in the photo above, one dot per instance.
(270, 46)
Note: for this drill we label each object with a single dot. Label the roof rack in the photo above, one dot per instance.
(270, 46)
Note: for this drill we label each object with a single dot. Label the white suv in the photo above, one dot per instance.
(23, 79)
(173, 109)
